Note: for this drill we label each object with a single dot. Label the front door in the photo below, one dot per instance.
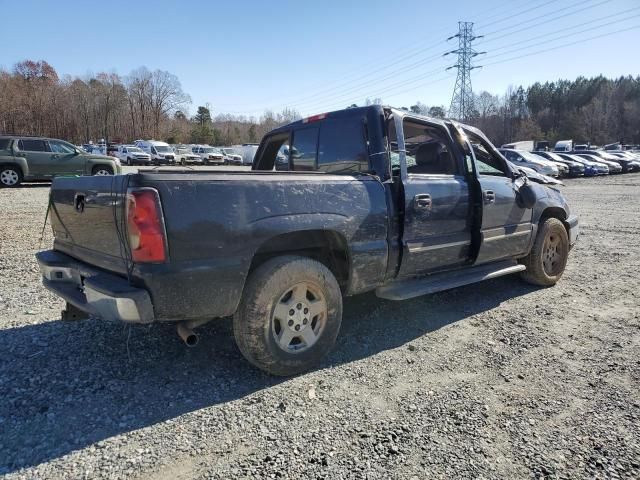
(506, 227)
(436, 234)
(64, 159)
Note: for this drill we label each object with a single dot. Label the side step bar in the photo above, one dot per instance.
(405, 289)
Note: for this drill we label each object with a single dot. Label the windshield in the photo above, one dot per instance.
(134, 150)
(554, 156)
(208, 150)
(162, 148)
(530, 157)
(228, 151)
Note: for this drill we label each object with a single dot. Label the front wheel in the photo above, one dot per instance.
(548, 257)
(290, 315)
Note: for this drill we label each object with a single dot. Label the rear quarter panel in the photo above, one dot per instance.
(216, 223)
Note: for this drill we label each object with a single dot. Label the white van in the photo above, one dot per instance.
(248, 151)
(160, 152)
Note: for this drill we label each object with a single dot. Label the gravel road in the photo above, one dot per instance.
(494, 380)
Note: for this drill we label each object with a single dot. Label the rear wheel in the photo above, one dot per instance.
(290, 315)
(548, 257)
(101, 171)
(10, 176)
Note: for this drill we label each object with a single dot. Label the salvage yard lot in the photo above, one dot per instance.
(495, 380)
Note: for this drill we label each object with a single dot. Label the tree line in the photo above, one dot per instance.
(35, 100)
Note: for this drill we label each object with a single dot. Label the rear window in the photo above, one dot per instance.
(4, 143)
(304, 149)
(28, 145)
(342, 146)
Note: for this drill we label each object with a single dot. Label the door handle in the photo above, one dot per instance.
(422, 201)
(489, 196)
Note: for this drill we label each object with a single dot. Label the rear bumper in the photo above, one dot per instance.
(94, 291)
(573, 229)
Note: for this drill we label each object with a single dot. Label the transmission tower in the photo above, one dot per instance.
(462, 100)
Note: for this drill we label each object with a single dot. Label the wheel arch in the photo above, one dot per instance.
(555, 212)
(328, 247)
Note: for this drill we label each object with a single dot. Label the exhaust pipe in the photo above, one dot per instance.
(188, 336)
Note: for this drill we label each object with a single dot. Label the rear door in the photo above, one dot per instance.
(506, 227)
(38, 157)
(437, 231)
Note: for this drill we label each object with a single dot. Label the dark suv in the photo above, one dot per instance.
(38, 158)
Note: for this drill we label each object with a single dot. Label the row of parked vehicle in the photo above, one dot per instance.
(570, 160)
(154, 152)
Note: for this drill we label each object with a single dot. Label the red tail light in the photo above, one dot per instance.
(314, 118)
(145, 226)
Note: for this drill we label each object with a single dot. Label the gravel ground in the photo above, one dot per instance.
(495, 380)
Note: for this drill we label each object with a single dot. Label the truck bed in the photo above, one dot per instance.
(217, 224)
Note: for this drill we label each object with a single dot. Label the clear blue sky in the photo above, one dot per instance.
(246, 56)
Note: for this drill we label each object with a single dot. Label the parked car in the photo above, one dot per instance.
(184, 155)
(526, 159)
(634, 159)
(209, 154)
(112, 150)
(132, 155)
(575, 169)
(230, 156)
(39, 158)
(591, 167)
(626, 164)
(279, 250)
(614, 167)
(161, 152)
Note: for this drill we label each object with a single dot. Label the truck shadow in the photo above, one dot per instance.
(68, 385)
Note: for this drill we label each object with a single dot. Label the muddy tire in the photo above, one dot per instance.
(289, 316)
(10, 176)
(548, 257)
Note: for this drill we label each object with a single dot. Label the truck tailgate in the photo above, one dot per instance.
(89, 220)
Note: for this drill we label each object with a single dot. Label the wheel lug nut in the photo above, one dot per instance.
(305, 321)
(292, 312)
(297, 328)
(299, 306)
(291, 323)
(306, 310)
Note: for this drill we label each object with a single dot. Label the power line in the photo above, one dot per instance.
(563, 45)
(398, 60)
(537, 19)
(537, 38)
(550, 40)
(544, 22)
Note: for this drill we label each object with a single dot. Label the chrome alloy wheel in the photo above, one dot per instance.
(299, 317)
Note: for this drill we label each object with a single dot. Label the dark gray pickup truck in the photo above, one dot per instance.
(366, 199)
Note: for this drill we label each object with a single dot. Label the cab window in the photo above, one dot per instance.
(428, 150)
(487, 161)
(342, 147)
(304, 149)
